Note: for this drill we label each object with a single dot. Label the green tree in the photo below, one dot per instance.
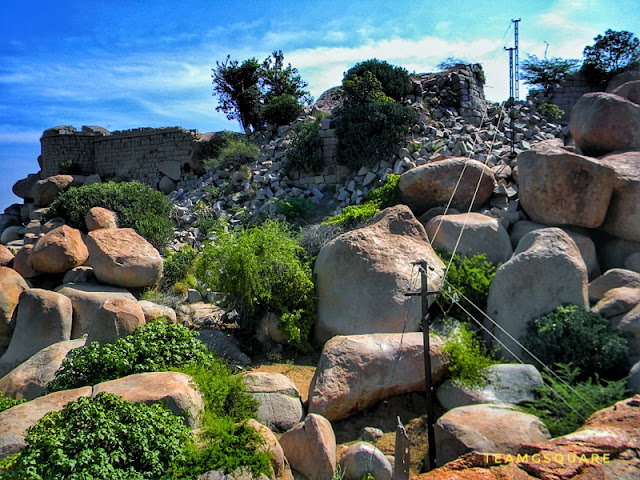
(236, 85)
(277, 80)
(611, 54)
(545, 73)
(395, 81)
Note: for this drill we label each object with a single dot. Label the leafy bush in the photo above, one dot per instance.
(395, 81)
(296, 208)
(582, 399)
(282, 110)
(377, 199)
(585, 339)
(551, 111)
(7, 402)
(154, 347)
(177, 265)
(259, 269)
(362, 89)
(305, 150)
(138, 206)
(371, 132)
(468, 276)
(468, 356)
(235, 153)
(101, 437)
(546, 73)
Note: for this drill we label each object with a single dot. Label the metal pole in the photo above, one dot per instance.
(516, 73)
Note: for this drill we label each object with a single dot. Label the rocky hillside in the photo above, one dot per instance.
(557, 210)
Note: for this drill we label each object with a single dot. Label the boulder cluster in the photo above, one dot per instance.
(560, 215)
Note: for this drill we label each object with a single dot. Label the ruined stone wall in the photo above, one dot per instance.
(565, 94)
(143, 154)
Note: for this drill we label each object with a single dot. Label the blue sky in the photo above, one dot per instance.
(126, 64)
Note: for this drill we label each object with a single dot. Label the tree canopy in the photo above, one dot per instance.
(545, 73)
(611, 54)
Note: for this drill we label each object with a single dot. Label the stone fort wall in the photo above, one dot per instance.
(142, 154)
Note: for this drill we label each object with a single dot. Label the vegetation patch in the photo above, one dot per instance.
(7, 402)
(138, 206)
(237, 152)
(305, 150)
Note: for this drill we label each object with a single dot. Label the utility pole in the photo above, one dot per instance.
(511, 90)
(516, 73)
(423, 293)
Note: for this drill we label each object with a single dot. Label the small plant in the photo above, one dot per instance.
(296, 208)
(551, 111)
(305, 150)
(564, 404)
(236, 153)
(178, 265)
(260, 269)
(7, 402)
(101, 437)
(138, 206)
(583, 338)
(468, 276)
(153, 347)
(468, 356)
(69, 167)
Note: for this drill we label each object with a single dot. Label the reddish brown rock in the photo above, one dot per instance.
(433, 184)
(557, 187)
(629, 90)
(59, 250)
(99, 217)
(5, 256)
(11, 287)
(24, 188)
(119, 256)
(22, 263)
(604, 122)
(279, 462)
(45, 191)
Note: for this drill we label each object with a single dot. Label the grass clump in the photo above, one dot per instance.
(585, 339)
(564, 404)
(138, 206)
(296, 208)
(467, 355)
(261, 269)
(470, 276)
(235, 153)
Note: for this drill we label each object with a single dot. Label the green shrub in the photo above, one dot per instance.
(468, 276)
(101, 437)
(372, 132)
(362, 89)
(305, 150)
(377, 199)
(583, 338)
(177, 265)
(564, 405)
(551, 111)
(468, 356)
(296, 208)
(7, 402)
(235, 153)
(282, 110)
(154, 347)
(395, 81)
(260, 269)
(138, 206)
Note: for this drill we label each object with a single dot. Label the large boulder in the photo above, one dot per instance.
(433, 184)
(545, 272)
(86, 298)
(506, 383)
(119, 256)
(174, 390)
(43, 318)
(558, 187)
(25, 188)
(310, 447)
(494, 428)
(362, 459)
(628, 323)
(154, 311)
(356, 372)
(22, 263)
(45, 191)
(30, 378)
(605, 122)
(613, 278)
(362, 277)
(629, 90)
(623, 216)
(480, 234)
(59, 250)
(279, 462)
(11, 234)
(6, 256)
(115, 318)
(617, 301)
(15, 421)
(280, 407)
(11, 287)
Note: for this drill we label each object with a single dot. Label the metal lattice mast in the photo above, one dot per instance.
(516, 72)
(511, 91)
